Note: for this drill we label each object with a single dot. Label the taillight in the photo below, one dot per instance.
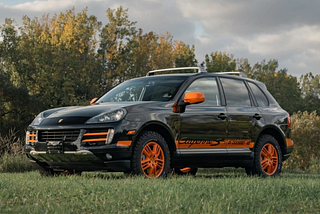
(289, 121)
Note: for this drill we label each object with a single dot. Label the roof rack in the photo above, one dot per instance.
(151, 73)
(241, 74)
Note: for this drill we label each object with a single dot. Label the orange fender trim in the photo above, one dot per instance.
(124, 143)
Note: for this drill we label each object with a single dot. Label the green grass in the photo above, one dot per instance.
(15, 163)
(211, 191)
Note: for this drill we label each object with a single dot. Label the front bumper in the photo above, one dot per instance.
(81, 160)
(78, 154)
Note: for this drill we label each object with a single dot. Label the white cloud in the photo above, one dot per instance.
(255, 29)
(247, 17)
(306, 38)
(204, 40)
(49, 5)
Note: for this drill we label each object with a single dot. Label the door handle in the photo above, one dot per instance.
(222, 116)
(257, 116)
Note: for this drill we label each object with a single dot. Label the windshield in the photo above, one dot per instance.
(145, 89)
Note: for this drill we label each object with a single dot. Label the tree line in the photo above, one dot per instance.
(69, 58)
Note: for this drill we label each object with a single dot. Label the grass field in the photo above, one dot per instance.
(211, 191)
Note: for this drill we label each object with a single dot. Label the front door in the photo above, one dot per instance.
(203, 126)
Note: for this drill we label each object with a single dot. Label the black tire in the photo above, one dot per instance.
(249, 171)
(267, 157)
(185, 171)
(152, 151)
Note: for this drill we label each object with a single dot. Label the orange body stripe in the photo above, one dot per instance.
(94, 140)
(289, 142)
(124, 143)
(32, 135)
(250, 145)
(32, 141)
(197, 146)
(204, 144)
(93, 134)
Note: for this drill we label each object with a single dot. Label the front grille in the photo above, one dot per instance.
(58, 135)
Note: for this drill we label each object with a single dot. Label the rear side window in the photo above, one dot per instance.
(208, 86)
(236, 92)
(259, 95)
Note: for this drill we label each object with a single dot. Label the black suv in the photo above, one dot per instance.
(157, 124)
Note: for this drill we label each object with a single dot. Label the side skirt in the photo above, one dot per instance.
(235, 157)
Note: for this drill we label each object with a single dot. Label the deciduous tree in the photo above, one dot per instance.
(220, 62)
(310, 89)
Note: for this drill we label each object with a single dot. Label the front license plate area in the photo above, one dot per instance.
(54, 147)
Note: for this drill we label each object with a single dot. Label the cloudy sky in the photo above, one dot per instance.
(286, 30)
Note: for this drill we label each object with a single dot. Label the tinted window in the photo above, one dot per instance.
(259, 95)
(208, 86)
(236, 92)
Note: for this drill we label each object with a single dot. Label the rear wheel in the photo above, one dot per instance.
(151, 156)
(185, 171)
(268, 157)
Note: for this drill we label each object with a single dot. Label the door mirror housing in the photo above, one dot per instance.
(194, 98)
(93, 100)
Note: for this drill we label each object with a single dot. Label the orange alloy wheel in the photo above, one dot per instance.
(152, 160)
(269, 159)
(186, 169)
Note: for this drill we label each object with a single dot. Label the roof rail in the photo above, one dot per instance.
(241, 74)
(151, 73)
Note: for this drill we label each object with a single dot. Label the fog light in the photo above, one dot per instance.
(27, 138)
(108, 156)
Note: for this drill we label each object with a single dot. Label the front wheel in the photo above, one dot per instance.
(151, 156)
(268, 157)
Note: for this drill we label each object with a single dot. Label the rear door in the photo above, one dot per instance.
(243, 117)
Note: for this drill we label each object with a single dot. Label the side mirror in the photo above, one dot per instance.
(194, 97)
(93, 100)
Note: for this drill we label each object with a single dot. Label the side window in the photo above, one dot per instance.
(236, 92)
(259, 95)
(208, 86)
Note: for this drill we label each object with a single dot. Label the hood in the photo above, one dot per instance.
(88, 111)
(80, 114)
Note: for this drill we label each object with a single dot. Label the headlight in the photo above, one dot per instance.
(108, 117)
(37, 120)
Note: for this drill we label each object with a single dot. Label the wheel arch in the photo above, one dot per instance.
(277, 134)
(160, 128)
